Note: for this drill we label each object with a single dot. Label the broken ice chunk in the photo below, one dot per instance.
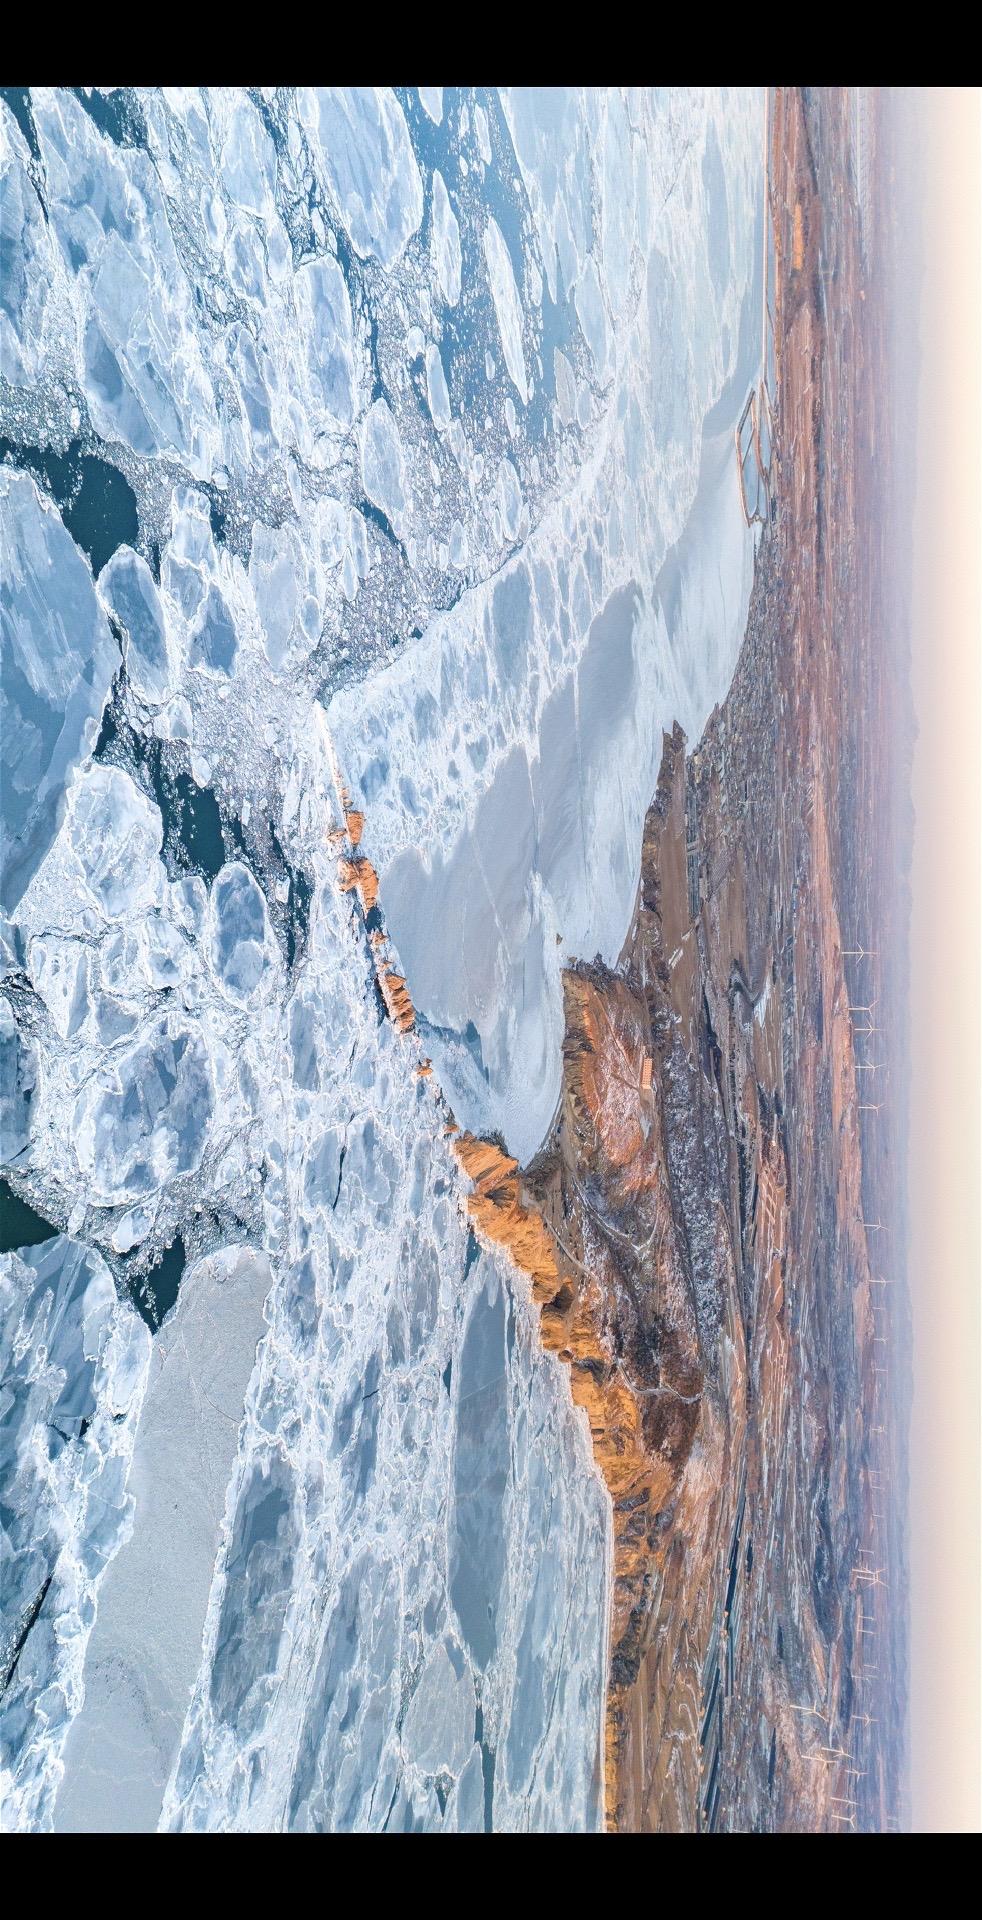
(174, 721)
(481, 135)
(432, 100)
(465, 1813)
(190, 552)
(28, 263)
(619, 205)
(256, 377)
(214, 643)
(143, 1118)
(58, 660)
(189, 903)
(439, 1726)
(592, 315)
(325, 309)
(360, 141)
(143, 371)
(162, 953)
(146, 1642)
(248, 164)
(132, 1228)
(56, 1301)
(565, 388)
(18, 1074)
(436, 388)
(458, 545)
(284, 583)
(258, 1588)
(116, 836)
(74, 1362)
(509, 500)
(507, 305)
(60, 972)
(478, 1539)
(127, 586)
(238, 932)
(354, 1693)
(383, 467)
(445, 245)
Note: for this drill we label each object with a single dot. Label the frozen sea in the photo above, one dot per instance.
(388, 432)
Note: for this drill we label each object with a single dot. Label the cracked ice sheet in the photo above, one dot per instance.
(506, 769)
(74, 1367)
(58, 658)
(197, 307)
(507, 305)
(146, 1645)
(371, 1287)
(414, 1500)
(248, 332)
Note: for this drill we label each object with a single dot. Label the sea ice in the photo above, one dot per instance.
(18, 1075)
(144, 1116)
(362, 143)
(507, 305)
(74, 1363)
(446, 243)
(383, 467)
(254, 307)
(436, 388)
(146, 1643)
(127, 588)
(145, 377)
(238, 934)
(30, 268)
(432, 100)
(116, 836)
(325, 305)
(58, 659)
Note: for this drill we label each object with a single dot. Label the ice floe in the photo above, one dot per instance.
(507, 304)
(383, 467)
(362, 142)
(446, 243)
(74, 1363)
(59, 658)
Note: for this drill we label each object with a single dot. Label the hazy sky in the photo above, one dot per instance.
(944, 1173)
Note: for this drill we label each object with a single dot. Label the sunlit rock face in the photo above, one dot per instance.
(354, 436)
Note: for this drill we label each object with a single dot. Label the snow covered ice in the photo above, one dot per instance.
(59, 658)
(383, 437)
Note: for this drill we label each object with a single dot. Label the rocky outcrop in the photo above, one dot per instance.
(395, 993)
(498, 1209)
(358, 873)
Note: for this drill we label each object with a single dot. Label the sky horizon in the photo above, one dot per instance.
(944, 1131)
